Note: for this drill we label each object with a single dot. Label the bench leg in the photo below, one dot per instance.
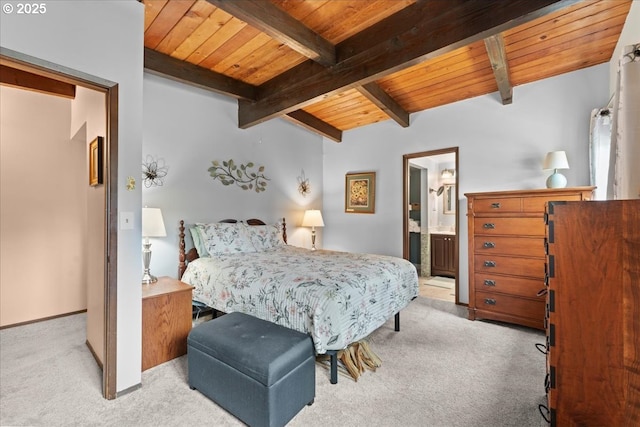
(334, 365)
(397, 327)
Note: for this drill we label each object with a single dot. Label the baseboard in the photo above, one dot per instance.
(28, 322)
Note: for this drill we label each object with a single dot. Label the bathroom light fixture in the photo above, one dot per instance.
(556, 160)
(448, 173)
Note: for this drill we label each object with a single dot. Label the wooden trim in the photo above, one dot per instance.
(24, 80)
(94, 354)
(42, 319)
(64, 74)
(405, 209)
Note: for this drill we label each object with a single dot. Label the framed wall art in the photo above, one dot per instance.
(96, 162)
(360, 192)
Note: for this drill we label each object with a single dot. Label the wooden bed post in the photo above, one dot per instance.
(284, 230)
(181, 265)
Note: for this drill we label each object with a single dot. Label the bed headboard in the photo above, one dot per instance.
(185, 255)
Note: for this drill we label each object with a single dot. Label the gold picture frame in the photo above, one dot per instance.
(96, 164)
(360, 192)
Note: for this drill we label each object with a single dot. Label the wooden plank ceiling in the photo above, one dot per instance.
(332, 66)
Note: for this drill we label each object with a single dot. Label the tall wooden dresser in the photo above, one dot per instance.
(507, 253)
(593, 326)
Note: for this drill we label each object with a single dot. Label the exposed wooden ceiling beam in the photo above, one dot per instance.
(314, 124)
(386, 103)
(191, 74)
(418, 32)
(24, 80)
(500, 66)
(278, 24)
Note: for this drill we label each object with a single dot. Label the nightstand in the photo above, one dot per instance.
(166, 320)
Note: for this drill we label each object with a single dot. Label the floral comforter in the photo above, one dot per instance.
(337, 297)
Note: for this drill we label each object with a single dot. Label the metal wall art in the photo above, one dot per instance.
(304, 187)
(153, 172)
(229, 173)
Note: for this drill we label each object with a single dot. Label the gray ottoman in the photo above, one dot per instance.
(261, 372)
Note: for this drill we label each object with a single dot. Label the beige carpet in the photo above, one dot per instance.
(439, 370)
(440, 282)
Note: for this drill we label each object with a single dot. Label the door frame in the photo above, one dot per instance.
(405, 209)
(54, 71)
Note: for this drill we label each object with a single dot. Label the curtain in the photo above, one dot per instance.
(599, 151)
(624, 167)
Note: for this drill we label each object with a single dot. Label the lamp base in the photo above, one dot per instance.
(148, 279)
(556, 180)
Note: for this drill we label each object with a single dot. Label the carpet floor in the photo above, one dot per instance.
(439, 370)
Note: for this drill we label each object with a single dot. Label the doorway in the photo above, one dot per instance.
(48, 71)
(431, 220)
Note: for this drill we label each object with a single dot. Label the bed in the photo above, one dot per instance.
(336, 297)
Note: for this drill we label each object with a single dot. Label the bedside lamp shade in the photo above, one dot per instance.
(556, 160)
(312, 218)
(152, 226)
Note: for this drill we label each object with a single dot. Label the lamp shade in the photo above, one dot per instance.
(152, 223)
(555, 160)
(312, 218)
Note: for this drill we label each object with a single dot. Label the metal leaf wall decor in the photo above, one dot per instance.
(153, 172)
(229, 173)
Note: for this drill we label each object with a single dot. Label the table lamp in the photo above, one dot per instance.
(312, 218)
(556, 160)
(152, 226)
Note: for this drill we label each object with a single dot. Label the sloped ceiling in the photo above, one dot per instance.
(332, 66)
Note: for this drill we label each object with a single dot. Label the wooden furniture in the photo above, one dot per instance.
(443, 250)
(593, 303)
(166, 321)
(506, 253)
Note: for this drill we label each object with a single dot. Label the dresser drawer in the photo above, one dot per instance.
(537, 204)
(511, 305)
(525, 246)
(509, 285)
(527, 267)
(498, 204)
(509, 226)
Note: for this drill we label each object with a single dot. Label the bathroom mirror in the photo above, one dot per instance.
(449, 199)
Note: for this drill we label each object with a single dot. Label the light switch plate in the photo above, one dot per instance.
(126, 220)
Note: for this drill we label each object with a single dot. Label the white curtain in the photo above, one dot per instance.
(599, 151)
(624, 168)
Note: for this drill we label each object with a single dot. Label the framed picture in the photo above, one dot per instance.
(96, 162)
(360, 192)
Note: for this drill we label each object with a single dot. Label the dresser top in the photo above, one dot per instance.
(535, 192)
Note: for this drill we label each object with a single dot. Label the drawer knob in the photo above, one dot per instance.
(489, 282)
(489, 263)
(490, 301)
(489, 245)
(495, 205)
(489, 225)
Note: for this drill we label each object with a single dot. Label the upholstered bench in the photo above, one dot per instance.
(262, 373)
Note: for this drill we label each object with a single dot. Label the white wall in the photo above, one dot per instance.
(630, 35)
(42, 201)
(500, 148)
(186, 128)
(88, 121)
(103, 39)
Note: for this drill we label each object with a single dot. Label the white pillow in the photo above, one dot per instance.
(265, 237)
(198, 240)
(225, 238)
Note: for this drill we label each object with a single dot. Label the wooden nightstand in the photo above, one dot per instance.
(166, 321)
